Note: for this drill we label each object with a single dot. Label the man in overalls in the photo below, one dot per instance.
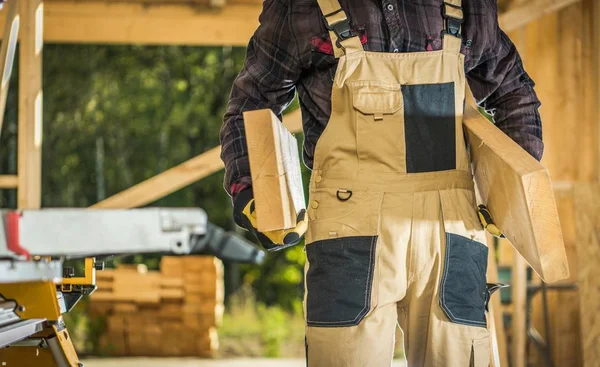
(393, 235)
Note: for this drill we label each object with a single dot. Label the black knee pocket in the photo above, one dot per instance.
(463, 291)
(339, 280)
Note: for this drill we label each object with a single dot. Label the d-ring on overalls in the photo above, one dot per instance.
(393, 230)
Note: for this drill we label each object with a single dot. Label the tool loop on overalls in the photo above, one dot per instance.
(453, 18)
(344, 195)
(487, 222)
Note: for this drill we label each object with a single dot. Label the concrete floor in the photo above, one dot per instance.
(176, 362)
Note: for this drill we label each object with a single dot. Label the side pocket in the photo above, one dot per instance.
(463, 291)
(339, 280)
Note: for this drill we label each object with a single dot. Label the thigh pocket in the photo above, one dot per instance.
(463, 289)
(339, 280)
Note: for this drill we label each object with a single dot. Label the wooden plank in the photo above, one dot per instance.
(565, 330)
(171, 294)
(143, 23)
(592, 64)
(125, 307)
(139, 297)
(9, 181)
(275, 168)
(7, 52)
(528, 11)
(165, 183)
(589, 34)
(519, 273)
(552, 55)
(519, 325)
(195, 3)
(517, 190)
(587, 222)
(30, 105)
(179, 176)
(171, 282)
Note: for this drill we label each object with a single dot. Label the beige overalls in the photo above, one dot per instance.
(393, 235)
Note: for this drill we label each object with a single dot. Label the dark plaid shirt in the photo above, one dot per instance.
(291, 52)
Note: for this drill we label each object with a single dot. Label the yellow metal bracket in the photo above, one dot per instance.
(89, 278)
(36, 300)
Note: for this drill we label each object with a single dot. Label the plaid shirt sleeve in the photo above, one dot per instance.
(267, 80)
(503, 88)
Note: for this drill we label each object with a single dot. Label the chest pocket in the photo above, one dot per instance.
(378, 113)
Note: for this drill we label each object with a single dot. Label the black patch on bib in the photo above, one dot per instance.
(430, 127)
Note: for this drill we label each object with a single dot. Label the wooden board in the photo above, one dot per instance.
(8, 181)
(528, 11)
(171, 282)
(587, 219)
(140, 297)
(275, 170)
(518, 192)
(125, 307)
(180, 176)
(29, 195)
(7, 52)
(135, 22)
(172, 294)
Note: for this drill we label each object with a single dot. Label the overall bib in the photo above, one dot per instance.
(394, 237)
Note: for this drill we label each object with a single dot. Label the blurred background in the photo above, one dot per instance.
(132, 89)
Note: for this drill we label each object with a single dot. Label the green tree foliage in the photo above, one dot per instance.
(117, 115)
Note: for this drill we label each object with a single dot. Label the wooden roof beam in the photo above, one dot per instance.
(526, 12)
(180, 176)
(9, 181)
(137, 23)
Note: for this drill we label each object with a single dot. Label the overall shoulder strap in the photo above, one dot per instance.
(453, 14)
(343, 39)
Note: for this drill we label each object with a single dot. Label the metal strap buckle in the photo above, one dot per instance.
(453, 23)
(342, 30)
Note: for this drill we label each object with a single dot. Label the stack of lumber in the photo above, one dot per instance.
(171, 312)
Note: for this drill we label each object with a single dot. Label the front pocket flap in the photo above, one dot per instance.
(463, 292)
(339, 280)
(376, 98)
(328, 217)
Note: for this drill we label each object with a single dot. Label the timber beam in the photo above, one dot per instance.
(9, 181)
(528, 11)
(179, 176)
(148, 23)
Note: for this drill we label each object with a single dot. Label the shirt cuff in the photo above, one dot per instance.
(240, 185)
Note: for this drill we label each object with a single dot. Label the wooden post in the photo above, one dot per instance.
(30, 104)
(595, 63)
(7, 52)
(587, 219)
(519, 268)
(519, 317)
